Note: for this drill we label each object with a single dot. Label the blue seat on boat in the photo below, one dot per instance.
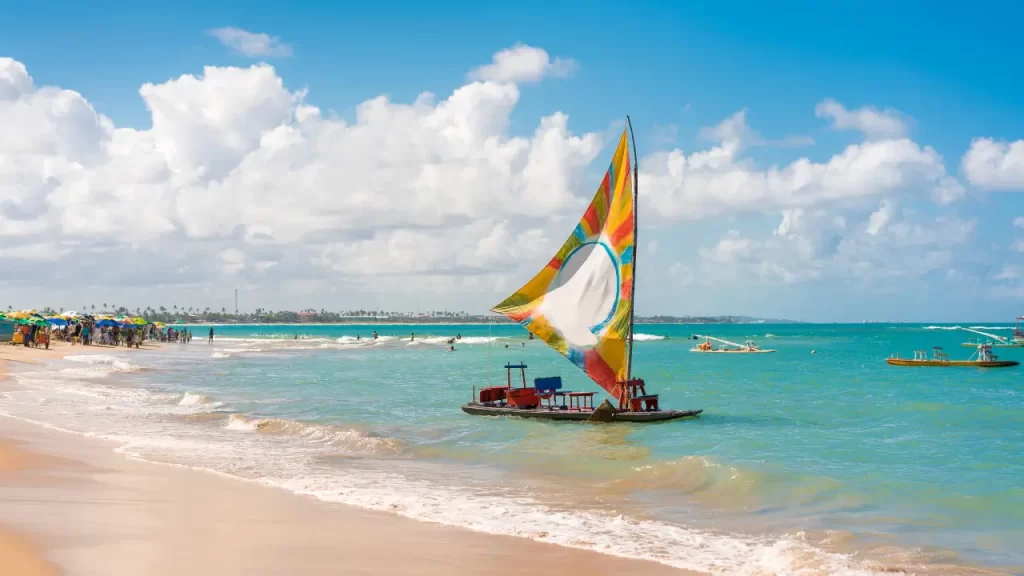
(548, 387)
(549, 384)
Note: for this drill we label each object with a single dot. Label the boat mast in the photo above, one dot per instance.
(632, 280)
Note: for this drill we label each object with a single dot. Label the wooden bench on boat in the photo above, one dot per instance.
(581, 401)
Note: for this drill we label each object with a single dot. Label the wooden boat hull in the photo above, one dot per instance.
(477, 409)
(952, 363)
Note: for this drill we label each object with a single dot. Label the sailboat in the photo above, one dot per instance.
(727, 347)
(993, 340)
(581, 304)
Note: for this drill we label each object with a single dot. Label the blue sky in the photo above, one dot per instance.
(952, 72)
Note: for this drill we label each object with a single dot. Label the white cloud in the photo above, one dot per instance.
(1019, 222)
(813, 245)
(522, 63)
(872, 122)
(241, 181)
(1008, 272)
(880, 218)
(240, 177)
(995, 165)
(720, 179)
(251, 44)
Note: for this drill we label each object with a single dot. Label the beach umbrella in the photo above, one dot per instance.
(31, 321)
(140, 321)
(57, 321)
(105, 322)
(21, 314)
(70, 314)
(160, 324)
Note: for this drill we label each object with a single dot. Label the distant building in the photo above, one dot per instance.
(307, 316)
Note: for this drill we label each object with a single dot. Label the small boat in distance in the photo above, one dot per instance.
(1018, 332)
(727, 347)
(581, 304)
(993, 340)
(983, 358)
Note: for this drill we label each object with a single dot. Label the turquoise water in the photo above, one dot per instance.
(832, 462)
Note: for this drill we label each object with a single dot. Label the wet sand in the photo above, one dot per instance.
(73, 505)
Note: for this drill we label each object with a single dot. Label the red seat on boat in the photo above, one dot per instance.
(648, 403)
(523, 397)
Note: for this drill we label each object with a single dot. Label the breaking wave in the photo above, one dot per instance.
(194, 399)
(349, 440)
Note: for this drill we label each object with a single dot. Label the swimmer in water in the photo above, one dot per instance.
(451, 348)
(374, 334)
(413, 337)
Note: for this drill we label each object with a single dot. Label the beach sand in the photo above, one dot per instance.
(72, 505)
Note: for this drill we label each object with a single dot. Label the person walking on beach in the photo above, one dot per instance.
(211, 334)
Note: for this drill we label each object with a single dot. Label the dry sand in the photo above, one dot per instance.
(72, 505)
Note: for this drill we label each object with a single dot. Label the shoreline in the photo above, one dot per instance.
(78, 503)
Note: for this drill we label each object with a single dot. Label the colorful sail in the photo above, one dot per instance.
(580, 303)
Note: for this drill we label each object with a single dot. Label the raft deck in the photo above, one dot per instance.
(952, 363)
(544, 413)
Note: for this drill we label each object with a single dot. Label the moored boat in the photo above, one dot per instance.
(581, 304)
(727, 347)
(992, 340)
(983, 358)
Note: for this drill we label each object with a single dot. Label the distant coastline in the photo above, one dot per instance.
(469, 320)
(197, 316)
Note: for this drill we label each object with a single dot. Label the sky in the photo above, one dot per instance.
(842, 161)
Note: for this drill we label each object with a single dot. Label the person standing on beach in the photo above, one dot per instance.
(211, 334)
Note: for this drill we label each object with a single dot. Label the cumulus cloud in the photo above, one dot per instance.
(812, 245)
(251, 44)
(521, 64)
(241, 181)
(995, 165)
(720, 180)
(241, 178)
(872, 122)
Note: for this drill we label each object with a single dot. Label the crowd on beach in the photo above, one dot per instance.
(31, 329)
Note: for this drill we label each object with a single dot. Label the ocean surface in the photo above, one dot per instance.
(806, 463)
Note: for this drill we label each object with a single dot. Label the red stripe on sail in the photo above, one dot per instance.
(623, 231)
(626, 292)
(592, 220)
(599, 371)
(555, 264)
(518, 316)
